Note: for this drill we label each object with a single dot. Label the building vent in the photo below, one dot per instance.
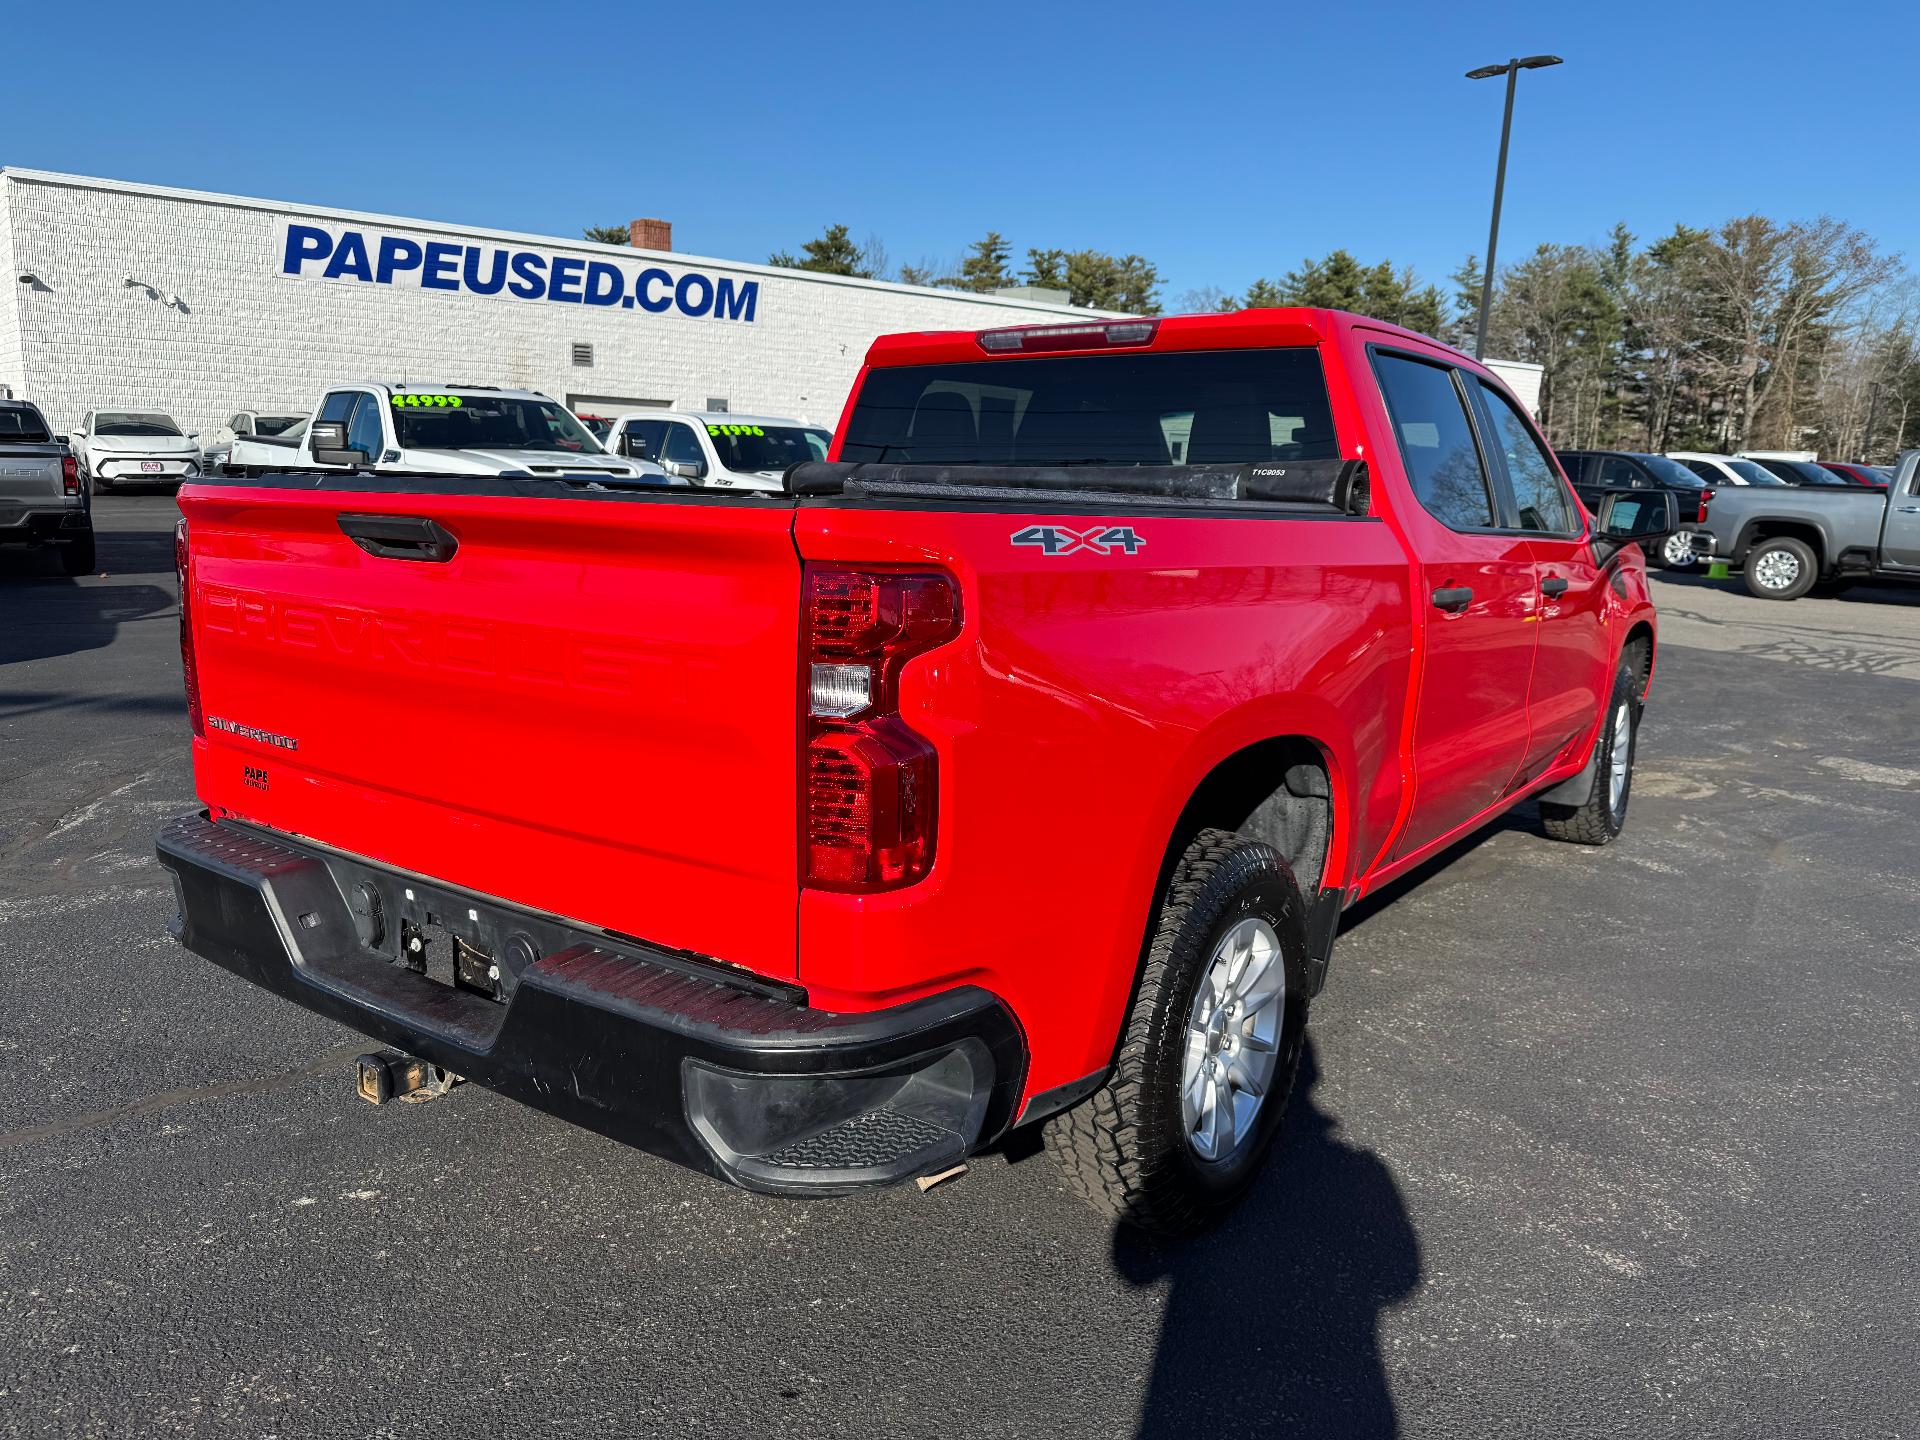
(583, 352)
(716, 405)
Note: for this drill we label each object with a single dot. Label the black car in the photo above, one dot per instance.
(1597, 473)
(1800, 472)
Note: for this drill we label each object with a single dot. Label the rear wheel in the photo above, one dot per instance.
(1677, 551)
(1602, 815)
(77, 556)
(101, 484)
(1782, 568)
(1206, 1062)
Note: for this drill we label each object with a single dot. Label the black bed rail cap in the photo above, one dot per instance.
(1339, 484)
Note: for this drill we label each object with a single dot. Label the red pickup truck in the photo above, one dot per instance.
(1014, 765)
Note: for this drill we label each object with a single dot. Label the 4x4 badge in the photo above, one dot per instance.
(1100, 539)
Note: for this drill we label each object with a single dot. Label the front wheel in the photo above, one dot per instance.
(1206, 1062)
(1602, 815)
(1781, 569)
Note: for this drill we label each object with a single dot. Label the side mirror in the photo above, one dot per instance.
(61, 440)
(330, 445)
(686, 469)
(1635, 516)
(193, 434)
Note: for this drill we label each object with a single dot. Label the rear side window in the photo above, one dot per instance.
(643, 438)
(1623, 473)
(1538, 495)
(1203, 407)
(23, 425)
(1436, 441)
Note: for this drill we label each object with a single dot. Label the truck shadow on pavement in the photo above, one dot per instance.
(44, 614)
(1272, 1322)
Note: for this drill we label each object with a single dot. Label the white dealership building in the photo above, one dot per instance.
(146, 298)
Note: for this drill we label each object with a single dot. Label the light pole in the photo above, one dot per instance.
(1512, 71)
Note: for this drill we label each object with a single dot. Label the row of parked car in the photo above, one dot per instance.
(47, 481)
(1794, 523)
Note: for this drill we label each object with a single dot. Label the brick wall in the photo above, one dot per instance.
(245, 337)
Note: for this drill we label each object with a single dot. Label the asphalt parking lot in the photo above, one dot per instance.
(1590, 1142)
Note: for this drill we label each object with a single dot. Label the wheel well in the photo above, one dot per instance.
(1760, 531)
(1638, 651)
(1277, 790)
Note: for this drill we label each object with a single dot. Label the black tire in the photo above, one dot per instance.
(1600, 818)
(1792, 560)
(1126, 1147)
(101, 485)
(77, 556)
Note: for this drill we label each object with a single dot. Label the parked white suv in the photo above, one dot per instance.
(127, 446)
(712, 447)
(1725, 469)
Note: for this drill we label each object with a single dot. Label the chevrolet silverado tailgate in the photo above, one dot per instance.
(581, 703)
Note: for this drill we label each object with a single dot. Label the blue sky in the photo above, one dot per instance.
(1223, 142)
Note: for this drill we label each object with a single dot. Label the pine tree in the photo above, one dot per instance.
(834, 253)
(608, 234)
(1263, 295)
(984, 270)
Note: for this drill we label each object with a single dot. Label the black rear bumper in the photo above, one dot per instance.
(679, 1056)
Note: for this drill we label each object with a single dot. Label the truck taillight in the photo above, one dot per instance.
(69, 475)
(182, 570)
(1031, 339)
(1706, 498)
(871, 781)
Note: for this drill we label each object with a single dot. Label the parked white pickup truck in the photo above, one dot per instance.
(243, 425)
(395, 429)
(711, 447)
(42, 499)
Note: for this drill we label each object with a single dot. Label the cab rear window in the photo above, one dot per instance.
(1213, 407)
(24, 427)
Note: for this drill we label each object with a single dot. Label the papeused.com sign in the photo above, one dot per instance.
(316, 251)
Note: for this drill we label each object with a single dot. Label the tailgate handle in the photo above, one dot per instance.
(400, 537)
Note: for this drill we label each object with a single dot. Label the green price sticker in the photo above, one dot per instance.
(718, 430)
(451, 402)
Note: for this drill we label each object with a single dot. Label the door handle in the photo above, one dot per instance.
(1553, 587)
(1910, 509)
(400, 537)
(1453, 599)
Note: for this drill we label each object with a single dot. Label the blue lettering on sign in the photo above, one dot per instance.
(730, 303)
(693, 283)
(532, 284)
(566, 280)
(304, 243)
(394, 260)
(437, 270)
(648, 279)
(496, 277)
(604, 283)
(396, 254)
